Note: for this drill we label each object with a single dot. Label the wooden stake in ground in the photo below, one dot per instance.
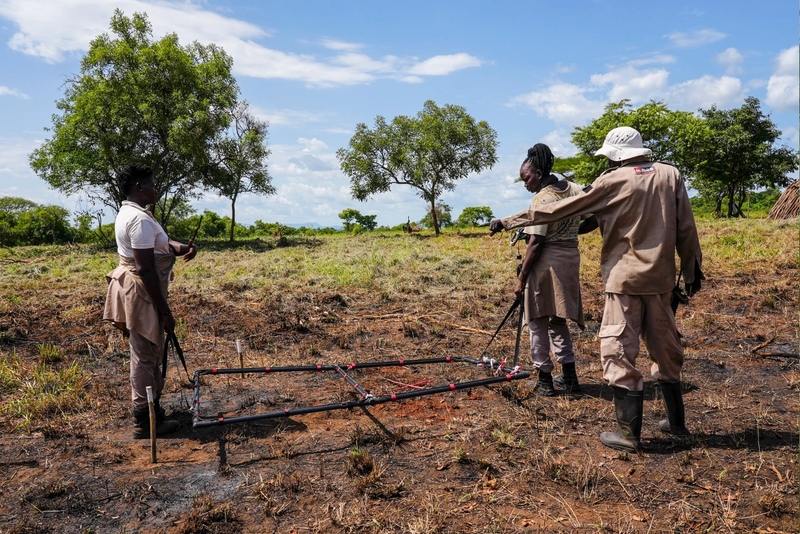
(241, 358)
(152, 406)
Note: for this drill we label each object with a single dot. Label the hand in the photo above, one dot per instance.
(189, 256)
(168, 321)
(496, 226)
(519, 288)
(694, 287)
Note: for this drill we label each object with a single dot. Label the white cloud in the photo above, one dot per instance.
(43, 33)
(440, 65)
(695, 38)
(5, 91)
(630, 82)
(562, 102)
(783, 91)
(655, 59)
(341, 45)
(560, 142)
(732, 59)
(564, 69)
(706, 91)
(287, 117)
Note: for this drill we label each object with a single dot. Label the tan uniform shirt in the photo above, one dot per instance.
(644, 215)
(563, 231)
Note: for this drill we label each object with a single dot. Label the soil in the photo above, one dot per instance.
(490, 459)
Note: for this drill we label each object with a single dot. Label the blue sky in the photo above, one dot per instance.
(534, 70)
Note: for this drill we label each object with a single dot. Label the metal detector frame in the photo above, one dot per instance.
(501, 371)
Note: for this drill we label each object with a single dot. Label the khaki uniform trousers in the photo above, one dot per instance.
(550, 333)
(626, 317)
(145, 368)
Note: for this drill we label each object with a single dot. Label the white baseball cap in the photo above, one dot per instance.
(623, 143)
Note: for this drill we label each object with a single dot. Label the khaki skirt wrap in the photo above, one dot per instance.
(553, 286)
(128, 305)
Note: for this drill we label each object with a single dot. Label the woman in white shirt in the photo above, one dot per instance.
(136, 301)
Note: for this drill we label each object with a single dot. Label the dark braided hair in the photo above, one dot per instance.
(540, 157)
(130, 175)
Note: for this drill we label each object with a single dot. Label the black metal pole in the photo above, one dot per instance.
(348, 366)
(199, 422)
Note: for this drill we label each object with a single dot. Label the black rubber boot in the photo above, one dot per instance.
(544, 386)
(675, 423)
(628, 405)
(141, 429)
(568, 379)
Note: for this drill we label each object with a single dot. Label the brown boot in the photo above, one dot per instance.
(628, 406)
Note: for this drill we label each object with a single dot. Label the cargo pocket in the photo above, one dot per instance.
(611, 330)
(611, 345)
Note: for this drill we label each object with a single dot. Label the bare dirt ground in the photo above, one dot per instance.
(490, 459)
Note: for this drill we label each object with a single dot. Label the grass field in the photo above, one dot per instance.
(491, 459)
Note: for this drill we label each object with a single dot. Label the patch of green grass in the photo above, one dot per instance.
(38, 393)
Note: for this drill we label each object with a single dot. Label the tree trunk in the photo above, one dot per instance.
(434, 218)
(731, 200)
(233, 217)
(718, 204)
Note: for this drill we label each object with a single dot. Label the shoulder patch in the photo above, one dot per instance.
(644, 170)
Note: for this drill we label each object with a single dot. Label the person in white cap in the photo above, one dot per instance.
(644, 215)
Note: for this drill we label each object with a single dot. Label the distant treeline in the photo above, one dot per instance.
(23, 222)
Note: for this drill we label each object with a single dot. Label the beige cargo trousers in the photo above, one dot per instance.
(625, 319)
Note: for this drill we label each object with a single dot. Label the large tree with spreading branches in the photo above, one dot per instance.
(428, 152)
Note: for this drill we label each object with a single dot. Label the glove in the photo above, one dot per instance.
(496, 226)
(694, 287)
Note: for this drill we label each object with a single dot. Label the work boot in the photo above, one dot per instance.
(628, 406)
(141, 429)
(568, 379)
(675, 423)
(544, 386)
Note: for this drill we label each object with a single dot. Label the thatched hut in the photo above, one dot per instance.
(787, 206)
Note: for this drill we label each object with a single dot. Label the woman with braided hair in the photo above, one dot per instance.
(549, 277)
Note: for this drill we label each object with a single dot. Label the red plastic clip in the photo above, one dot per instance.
(319, 368)
(351, 366)
(213, 371)
(448, 360)
(394, 397)
(508, 377)
(452, 387)
(267, 369)
(402, 362)
(355, 386)
(286, 411)
(220, 419)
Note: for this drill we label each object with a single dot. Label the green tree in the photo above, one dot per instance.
(429, 152)
(675, 137)
(43, 224)
(352, 217)
(741, 156)
(349, 217)
(239, 159)
(475, 216)
(441, 215)
(137, 99)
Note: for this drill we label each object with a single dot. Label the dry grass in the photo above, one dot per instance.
(491, 459)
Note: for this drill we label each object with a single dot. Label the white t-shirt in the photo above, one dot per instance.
(136, 228)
